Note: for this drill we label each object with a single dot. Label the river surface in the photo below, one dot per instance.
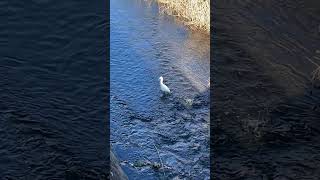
(53, 103)
(155, 136)
(266, 105)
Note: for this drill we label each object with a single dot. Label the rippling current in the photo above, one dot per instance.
(146, 128)
(266, 106)
(52, 62)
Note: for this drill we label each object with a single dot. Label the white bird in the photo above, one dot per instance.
(163, 87)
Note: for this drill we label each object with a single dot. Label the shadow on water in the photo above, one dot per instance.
(51, 125)
(158, 137)
(265, 120)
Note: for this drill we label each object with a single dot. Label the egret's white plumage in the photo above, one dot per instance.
(163, 87)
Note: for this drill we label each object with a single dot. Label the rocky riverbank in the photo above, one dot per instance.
(116, 172)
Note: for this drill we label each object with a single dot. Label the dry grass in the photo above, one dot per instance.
(194, 13)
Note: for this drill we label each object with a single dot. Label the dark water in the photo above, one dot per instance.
(146, 128)
(265, 118)
(53, 93)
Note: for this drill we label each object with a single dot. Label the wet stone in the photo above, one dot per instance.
(156, 166)
(186, 116)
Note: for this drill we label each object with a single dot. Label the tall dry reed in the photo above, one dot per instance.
(194, 13)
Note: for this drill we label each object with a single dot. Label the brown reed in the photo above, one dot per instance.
(194, 13)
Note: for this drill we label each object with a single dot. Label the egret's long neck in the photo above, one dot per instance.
(161, 81)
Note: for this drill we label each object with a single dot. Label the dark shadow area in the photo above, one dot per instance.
(264, 115)
(53, 95)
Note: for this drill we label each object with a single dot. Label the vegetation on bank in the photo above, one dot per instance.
(194, 13)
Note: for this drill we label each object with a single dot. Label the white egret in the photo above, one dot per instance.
(163, 87)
